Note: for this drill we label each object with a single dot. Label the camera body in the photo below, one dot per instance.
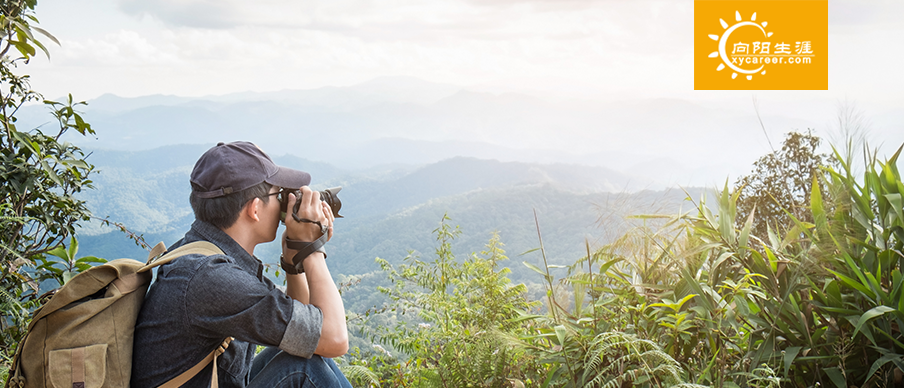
(330, 196)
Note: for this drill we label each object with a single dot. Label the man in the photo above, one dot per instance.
(197, 301)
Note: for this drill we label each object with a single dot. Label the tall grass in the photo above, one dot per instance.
(692, 299)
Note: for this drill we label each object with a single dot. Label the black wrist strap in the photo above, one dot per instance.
(289, 268)
(304, 249)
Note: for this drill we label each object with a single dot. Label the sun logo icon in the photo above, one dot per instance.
(723, 40)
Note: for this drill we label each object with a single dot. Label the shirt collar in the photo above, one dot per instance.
(201, 230)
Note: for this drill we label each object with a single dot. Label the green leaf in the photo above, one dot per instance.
(22, 30)
(837, 377)
(684, 300)
(605, 267)
(872, 313)
(896, 204)
(790, 354)
(773, 260)
(580, 290)
(47, 34)
(853, 284)
(745, 232)
(24, 48)
(881, 361)
(816, 206)
(561, 334)
(41, 46)
(529, 251)
(841, 311)
(73, 247)
(90, 259)
(67, 276)
(60, 252)
(535, 268)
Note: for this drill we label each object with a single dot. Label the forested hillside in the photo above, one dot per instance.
(388, 211)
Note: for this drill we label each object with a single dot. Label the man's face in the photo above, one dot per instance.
(270, 213)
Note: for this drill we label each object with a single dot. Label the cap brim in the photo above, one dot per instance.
(289, 178)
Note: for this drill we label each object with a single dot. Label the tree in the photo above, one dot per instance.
(40, 173)
(781, 181)
(466, 315)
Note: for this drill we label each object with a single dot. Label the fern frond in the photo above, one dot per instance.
(16, 254)
(11, 304)
(361, 373)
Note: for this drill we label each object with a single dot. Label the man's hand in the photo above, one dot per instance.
(311, 208)
(316, 286)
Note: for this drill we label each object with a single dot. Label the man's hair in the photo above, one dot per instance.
(224, 211)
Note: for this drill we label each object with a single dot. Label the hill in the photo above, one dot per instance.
(387, 211)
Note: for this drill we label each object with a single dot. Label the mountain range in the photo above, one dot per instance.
(405, 120)
(388, 212)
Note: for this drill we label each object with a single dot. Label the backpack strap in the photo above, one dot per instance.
(180, 380)
(201, 248)
(198, 247)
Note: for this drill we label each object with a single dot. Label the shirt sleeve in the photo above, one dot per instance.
(300, 339)
(224, 300)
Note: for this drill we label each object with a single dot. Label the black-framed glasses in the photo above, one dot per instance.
(278, 193)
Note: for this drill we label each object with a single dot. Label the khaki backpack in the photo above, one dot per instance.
(82, 337)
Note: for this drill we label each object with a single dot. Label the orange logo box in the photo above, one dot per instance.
(761, 45)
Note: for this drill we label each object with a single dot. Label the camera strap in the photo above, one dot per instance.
(305, 249)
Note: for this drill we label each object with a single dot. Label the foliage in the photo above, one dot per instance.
(41, 176)
(68, 266)
(804, 304)
(616, 358)
(599, 345)
(465, 317)
(862, 241)
(810, 303)
(358, 373)
(779, 185)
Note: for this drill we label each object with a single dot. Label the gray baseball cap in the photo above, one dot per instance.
(232, 167)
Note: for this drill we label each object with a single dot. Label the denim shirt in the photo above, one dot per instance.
(197, 301)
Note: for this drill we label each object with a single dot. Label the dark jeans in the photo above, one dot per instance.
(275, 368)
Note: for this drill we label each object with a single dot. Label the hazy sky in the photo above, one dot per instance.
(607, 48)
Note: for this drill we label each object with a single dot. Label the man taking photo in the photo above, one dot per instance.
(197, 301)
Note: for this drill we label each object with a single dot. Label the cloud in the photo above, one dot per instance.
(858, 14)
(119, 48)
(186, 13)
(193, 47)
(438, 21)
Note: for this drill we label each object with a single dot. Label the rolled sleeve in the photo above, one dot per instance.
(303, 331)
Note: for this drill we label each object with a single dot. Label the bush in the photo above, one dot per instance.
(462, 320)
(40, 174)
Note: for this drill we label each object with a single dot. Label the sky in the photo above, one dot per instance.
(604, 50)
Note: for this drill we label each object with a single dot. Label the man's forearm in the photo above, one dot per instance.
(297, 288)
(323, 294)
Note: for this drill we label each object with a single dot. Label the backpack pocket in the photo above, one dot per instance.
(83, 367)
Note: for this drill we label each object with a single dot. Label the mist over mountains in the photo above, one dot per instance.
(408, 151)
(405, 120)
(388, 212)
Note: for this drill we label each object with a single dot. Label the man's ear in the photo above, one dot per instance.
(252, 209)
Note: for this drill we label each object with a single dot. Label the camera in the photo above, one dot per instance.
(330, 196)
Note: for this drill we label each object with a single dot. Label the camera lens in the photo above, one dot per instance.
(330, 196)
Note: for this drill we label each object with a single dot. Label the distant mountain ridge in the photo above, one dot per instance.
(387, 212)
(161, 176)
(411, 121)
(387, 89)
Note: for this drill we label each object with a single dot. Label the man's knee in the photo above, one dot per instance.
(287, 370)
